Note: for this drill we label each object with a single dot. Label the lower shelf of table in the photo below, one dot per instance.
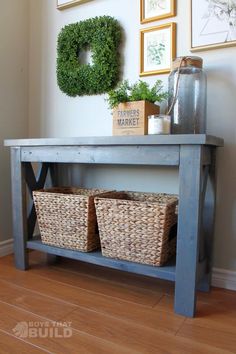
(166, 272)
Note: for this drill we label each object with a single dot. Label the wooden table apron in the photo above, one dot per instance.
(193, 154)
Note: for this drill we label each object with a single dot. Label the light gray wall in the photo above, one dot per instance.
(53, 114)
(14, 30)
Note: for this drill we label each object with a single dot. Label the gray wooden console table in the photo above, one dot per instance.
(195, 157)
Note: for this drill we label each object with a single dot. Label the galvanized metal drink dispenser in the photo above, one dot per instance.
(187, 96)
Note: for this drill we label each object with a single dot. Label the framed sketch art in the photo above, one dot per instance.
(63, 4)
(157, 49)
(213, 24)
(153, 10)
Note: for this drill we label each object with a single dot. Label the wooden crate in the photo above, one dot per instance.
(131, 118)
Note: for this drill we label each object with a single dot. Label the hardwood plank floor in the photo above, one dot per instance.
(106, 311)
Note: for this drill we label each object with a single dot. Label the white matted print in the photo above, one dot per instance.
(157, 49)
(152, 10)
(213, 24)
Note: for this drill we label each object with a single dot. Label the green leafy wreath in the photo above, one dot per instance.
(102, 36)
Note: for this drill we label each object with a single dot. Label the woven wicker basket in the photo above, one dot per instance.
(67, 217)
(138, 227)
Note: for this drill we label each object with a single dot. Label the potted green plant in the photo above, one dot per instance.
(132, 104)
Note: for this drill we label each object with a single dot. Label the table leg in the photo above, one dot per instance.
(54, 182)
(189, 222)
(208, 222)
(19, 209)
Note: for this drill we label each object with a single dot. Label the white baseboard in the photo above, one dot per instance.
(222, 278)
(6, 247)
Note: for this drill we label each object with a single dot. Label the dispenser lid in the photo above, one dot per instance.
(188, 61)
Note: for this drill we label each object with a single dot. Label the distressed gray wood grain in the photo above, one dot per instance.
(130, 155)
(209, 221)
(19, 209)
(190, 152)
(53, 175)
(34, 183)
(202, 248)
(52, 181)
(206, 155)
(186, 139)
(167, 272)
(189, 220)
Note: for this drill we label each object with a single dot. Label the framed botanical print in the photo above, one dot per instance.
(63, 4)
(153, 10)
(213, 24)
(157, 49)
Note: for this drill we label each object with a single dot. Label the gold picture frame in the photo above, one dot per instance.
(198, 34)
(65, 4)
(157, 49)
(152, 16)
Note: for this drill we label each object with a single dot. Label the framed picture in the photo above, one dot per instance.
(157, 49)
(213, 24)
(153, 10)
(63, 4)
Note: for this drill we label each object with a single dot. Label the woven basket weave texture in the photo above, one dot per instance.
(136, 226)
(67, 217)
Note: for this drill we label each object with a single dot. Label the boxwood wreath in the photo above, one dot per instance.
(102, 36)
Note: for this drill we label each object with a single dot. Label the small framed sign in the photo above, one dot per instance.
(63, 4)
(213, 24)
(153, 10)
(157, 49)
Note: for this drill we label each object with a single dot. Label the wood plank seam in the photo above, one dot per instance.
(66, 302)
(93, 292)
(52, 321)
(87, 309)
(190, 337)
(104, 281)
(181, 326)
(24, 341)
(158, 301)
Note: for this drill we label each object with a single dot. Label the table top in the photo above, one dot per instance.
(186, 139)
